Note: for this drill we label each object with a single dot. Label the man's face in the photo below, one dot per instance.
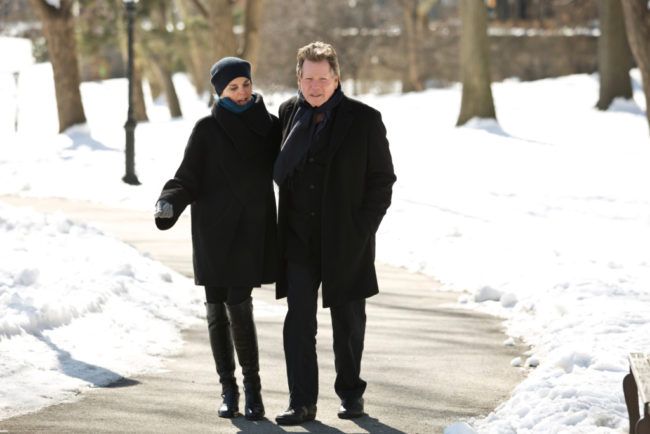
(317, 84)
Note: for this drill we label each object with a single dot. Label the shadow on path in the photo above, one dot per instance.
(267, 426)
(96, 375)
(373, 425)
(366, 423)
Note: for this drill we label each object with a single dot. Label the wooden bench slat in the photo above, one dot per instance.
(640, 367)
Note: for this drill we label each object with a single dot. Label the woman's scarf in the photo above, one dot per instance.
(304, 133)
(232, 106)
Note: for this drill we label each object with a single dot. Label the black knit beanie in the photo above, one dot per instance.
(226, 69)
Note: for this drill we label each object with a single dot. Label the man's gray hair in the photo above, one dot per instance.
(317, 52)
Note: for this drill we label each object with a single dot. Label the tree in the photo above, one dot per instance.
(614, 57)
(475, 63)
(139, 107)
(58, 29)
(159, 44)
(252, 23)
(196, 33)
(637, 25)
(503, 10)
(220, 15)
(210, 28)
(411, 23)
(222, 37)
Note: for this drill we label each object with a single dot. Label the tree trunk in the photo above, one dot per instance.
(58, 28)
(475, 63)
(410, 9)
(165, 79)
(222, 38)
(521, 10)
(199, 66)
(198, 42)
(139, 108)
(252, 31)
(503, 10)
(614, 56)
(160, 46)
(155, 86)
(637, 25)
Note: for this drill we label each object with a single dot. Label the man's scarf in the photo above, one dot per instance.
(304, 133)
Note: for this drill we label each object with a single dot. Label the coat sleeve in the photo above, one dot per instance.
(276, 136)
(380, 175)
(185, 186)
(284, 113)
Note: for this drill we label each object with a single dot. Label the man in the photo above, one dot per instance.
(335, 176)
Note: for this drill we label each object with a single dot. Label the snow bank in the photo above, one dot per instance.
(80, 309)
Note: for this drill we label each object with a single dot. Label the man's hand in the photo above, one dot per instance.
(164, 210)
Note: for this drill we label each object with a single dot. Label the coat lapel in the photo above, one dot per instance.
(342, 123)
(246, 131)
(244, 155)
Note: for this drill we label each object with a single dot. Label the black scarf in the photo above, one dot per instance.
(303, 134)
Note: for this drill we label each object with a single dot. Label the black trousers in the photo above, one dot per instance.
(300, 327)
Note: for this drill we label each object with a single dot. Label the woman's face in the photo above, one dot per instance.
(239, 90)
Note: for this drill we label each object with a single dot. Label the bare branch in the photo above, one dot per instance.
(199, 6)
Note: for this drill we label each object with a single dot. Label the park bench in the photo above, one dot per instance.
(636, 383)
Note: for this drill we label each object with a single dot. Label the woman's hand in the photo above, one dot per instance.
(164, 210)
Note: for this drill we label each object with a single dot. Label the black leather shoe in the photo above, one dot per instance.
(351, 408)
(296, 416)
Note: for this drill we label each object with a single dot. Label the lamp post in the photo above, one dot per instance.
(130, 177)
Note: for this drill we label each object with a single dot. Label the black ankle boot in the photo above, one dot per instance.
(245, 339)
(230, 406)
(254, 404)
(224, 358)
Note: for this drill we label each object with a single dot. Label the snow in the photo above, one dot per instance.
(54, 3)
(459, 428)
(542, 219)
(58, 296)
(21, 57)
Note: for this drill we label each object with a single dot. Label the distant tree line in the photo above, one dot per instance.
(189, 35)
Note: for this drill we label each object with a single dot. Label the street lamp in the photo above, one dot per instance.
(130, 177)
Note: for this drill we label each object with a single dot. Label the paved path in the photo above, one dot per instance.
(427, 365)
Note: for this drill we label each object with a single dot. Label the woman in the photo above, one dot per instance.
(226, 175)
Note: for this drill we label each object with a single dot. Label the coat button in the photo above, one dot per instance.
(313, 214)
(311, 159)
(312, 186)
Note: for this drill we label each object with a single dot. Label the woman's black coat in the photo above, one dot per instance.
(226, 175)
(357, 191)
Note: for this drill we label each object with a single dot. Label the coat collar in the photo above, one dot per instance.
(342, 121)
(245, 130)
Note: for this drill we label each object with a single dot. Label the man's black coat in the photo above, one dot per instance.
(226, 175)
(357, 192)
